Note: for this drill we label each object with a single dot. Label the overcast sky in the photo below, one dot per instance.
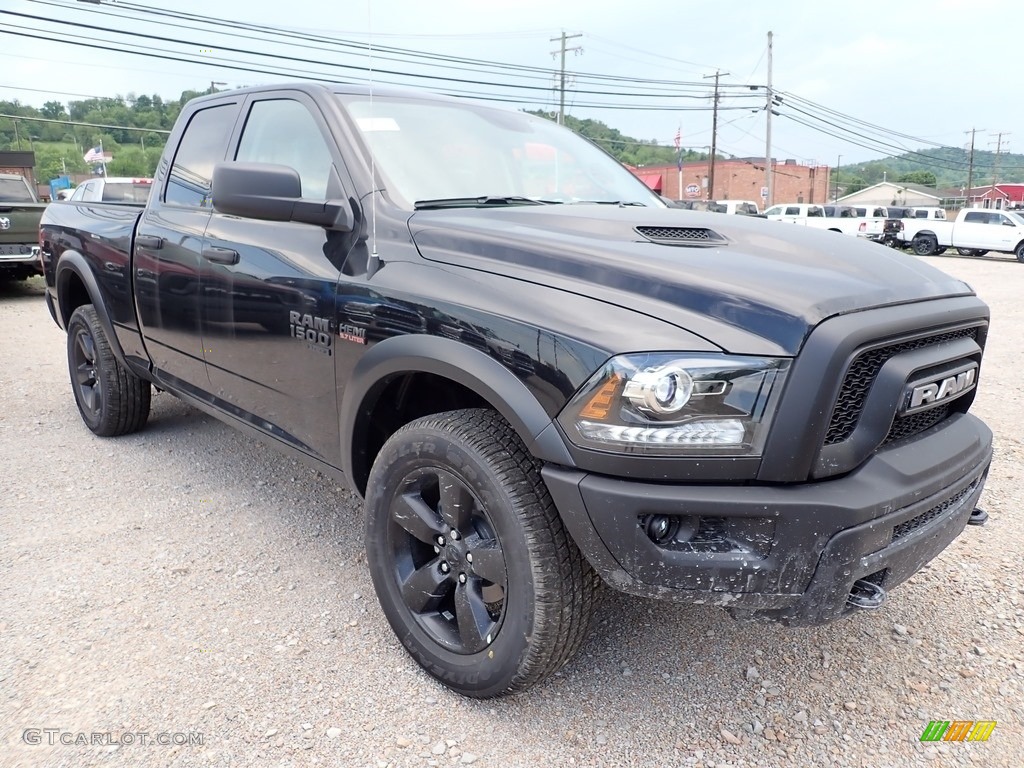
(915, 71)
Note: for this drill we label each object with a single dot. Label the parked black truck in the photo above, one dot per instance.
(532, 369)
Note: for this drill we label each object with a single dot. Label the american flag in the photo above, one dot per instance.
(679, 136)
(94, 155)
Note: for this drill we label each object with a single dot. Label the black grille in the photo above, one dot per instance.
(905, 426)
(924, 518)
(681, 235)
(861, 375)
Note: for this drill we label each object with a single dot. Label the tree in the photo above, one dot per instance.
(53, 110)
(924, 178)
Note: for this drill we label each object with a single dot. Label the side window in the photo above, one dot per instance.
(202, 146)
(815, 211)
(283, 132)
(976, 218)
(79, 193)
(775, 211)
(792, 211)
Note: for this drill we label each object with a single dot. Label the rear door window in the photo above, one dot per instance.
(203, 145)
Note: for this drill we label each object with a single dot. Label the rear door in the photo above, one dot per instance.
(269, 288)
(169, 244)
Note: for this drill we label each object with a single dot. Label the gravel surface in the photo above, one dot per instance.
(187, 580)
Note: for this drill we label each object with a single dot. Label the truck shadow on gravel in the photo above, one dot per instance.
(32, 289)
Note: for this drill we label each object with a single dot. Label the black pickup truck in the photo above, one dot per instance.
(534, 371)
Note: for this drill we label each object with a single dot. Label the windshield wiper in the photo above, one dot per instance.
(483, 200)
(609, 202)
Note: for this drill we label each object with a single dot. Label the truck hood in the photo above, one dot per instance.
(748, 285)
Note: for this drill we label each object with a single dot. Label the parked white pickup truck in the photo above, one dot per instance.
(854, 221)
(974, 232)
(795, 213)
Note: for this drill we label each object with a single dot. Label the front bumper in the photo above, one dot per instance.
(785, 552)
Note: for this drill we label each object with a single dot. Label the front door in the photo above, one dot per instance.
(269, 289)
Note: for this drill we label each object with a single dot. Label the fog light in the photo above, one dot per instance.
(662, 528)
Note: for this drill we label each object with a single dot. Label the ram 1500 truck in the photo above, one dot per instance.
(19, 228)
(534, 371)
(974, 232)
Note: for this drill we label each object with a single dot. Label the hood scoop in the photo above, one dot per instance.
(689, 236)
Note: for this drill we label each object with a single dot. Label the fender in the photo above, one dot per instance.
(74, 263)
(463, 364)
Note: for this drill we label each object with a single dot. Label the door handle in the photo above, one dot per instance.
(149, 242)
(220, 255)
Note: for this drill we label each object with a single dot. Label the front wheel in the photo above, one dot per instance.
(112, 400)
(471, 563)
(1019, 253)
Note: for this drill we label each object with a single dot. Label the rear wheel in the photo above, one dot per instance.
(924, 245)
(470, 561)
(112, 400)
(971, 251)
(1019, 253)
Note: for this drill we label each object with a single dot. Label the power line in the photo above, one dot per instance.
(87, 125)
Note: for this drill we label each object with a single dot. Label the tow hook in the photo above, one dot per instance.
(867, 595)
(978, 517)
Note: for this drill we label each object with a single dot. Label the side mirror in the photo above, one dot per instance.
(274, 193)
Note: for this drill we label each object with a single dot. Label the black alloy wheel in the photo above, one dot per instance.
(88, 391)
(112, 400)
(447, 560)
(471, 563)
(924, 245)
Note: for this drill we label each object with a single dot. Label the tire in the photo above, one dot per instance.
(939, 251)
(924, 245)
(483, 626)
(978, 252)
(971, 251)
(1019, 252)
(112, 400)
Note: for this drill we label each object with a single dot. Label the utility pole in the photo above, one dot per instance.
(970, 167)
(995, 163)
(714, 135)
(561, 77)
(839, 162)
(768, 131)
(17, 135)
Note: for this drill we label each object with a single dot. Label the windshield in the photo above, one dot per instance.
(449, 150)
(15, 191)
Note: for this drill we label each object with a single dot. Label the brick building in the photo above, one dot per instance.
(740, 179)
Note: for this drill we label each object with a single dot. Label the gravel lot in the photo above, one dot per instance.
(187, 580)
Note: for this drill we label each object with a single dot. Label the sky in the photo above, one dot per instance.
(911, 76)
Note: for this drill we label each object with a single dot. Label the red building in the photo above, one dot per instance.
(997, 196)
(739, 179)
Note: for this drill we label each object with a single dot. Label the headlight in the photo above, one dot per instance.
(677, 404)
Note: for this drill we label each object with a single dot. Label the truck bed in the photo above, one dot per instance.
(101, 235)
